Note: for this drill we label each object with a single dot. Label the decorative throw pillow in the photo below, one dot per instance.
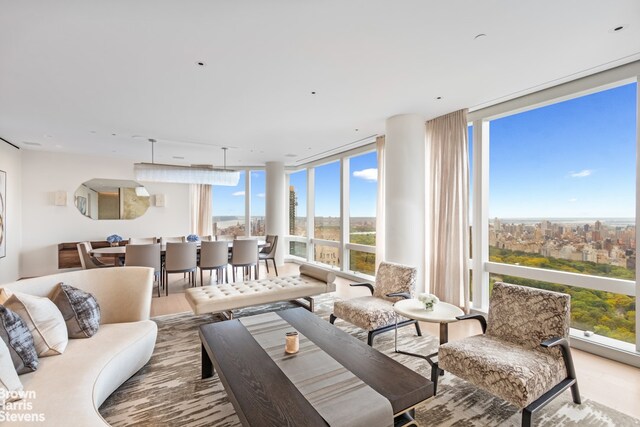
(10, 384)
(44, 321)
(80, 310)
(16, 336)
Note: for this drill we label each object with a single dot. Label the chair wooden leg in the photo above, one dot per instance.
(575, 393)
(370, 336)
(201, 278)
(526, 417)
(332, 318)
(166, 282)
(274, 266)
(233, 273)
(434, 376)
(266, 262)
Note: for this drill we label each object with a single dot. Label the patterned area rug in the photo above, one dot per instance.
(168, 391)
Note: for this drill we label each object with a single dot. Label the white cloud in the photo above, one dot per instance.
(367, 174)
(573, 200)
(260, 195)
(581, 174)
(238, 193)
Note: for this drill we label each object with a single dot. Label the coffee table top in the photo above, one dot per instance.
(413, 309)
(263, 395)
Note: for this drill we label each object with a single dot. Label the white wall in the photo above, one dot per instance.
(10, 162)
(45, 225)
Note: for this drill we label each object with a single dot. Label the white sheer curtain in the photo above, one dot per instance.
(201, 220)
(448, 199)
(380, 203)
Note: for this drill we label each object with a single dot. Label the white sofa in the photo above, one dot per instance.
(68, 389)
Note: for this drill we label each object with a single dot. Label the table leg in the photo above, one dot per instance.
(395, 340)
(207, 366)
(444, 333)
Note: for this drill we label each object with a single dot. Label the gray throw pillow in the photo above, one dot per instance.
(16, 335)
(79, 309)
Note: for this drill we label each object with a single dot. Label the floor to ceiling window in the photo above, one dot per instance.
(298, 212)
(257, 205)
(229, 209)
(562, 197)
(363, 189)
(327, 218)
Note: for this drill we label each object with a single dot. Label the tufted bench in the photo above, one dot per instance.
(226, 297)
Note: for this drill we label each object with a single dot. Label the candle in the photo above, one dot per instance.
(292, 344)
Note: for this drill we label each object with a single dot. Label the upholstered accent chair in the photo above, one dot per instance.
(375, 313)
(269, 252)
(523, 355)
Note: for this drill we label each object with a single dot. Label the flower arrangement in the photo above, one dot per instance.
(114, 239)
(429, 300)
(193, 238)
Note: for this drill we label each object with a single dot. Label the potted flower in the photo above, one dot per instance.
(429, 301)
(193, 238)
(114, 239)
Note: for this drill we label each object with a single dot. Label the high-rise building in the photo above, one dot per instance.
(293, 202)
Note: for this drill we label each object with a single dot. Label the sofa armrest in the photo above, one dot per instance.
(403, 295)
(566, 353)
(368, 285)
(479, 317)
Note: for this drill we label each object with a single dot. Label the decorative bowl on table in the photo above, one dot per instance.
(428, 301)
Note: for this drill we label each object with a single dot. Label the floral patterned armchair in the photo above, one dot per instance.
(523, 356)
(375, 313)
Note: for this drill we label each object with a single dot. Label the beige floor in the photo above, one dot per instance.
(611, 383)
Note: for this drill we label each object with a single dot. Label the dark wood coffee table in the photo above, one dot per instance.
(263, 395)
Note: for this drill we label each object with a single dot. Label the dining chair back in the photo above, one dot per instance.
(269, 252)
(208, 238)
(86, 260)
(214, 256)
(245, 254)
(178, 239)
(148, 255)
(180, 258)
(142, 240)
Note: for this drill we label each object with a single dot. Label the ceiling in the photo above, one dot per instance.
(102, 77)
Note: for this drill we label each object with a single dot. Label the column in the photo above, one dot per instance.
(275, 204)
(406, 214)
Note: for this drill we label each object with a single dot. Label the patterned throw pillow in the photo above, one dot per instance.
(15, 334)
(44, 321)
(10, 384)
(80, 310)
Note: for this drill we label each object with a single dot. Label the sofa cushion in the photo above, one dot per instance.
(509, 371)
(10, 384)
(44, 321)
(18, 339)
(368, 312)
(80, 310)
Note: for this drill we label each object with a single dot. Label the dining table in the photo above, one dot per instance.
(120, 251)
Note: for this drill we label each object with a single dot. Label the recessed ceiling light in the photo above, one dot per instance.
(178, 157)
(479, 36)
(291, 155)
(92, 131)
(313, 92)
(357, 130)
(113, 134)
(201, 64)
(33, 144)
(438, 97)
(617, 29)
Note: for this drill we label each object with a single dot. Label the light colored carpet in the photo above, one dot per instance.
(169, 391)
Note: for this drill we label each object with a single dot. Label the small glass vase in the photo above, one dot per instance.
(429, 307)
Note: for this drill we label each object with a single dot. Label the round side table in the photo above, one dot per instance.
(442, 313)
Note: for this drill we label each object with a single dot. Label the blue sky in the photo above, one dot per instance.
(229, 201)
(571, 159)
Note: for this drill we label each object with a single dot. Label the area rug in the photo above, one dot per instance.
(168, 391)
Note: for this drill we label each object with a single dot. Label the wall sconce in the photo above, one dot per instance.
(159, 200)
(60, 198)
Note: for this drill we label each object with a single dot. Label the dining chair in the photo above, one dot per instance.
(214, 256)
(244, 254)
(269, 252)
(142, 240)
(208, 238)
(148, 255)
(86, 260)
(180, 258)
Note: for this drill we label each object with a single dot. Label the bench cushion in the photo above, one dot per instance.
(229, 296)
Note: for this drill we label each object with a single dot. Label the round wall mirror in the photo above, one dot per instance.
(111, 199)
